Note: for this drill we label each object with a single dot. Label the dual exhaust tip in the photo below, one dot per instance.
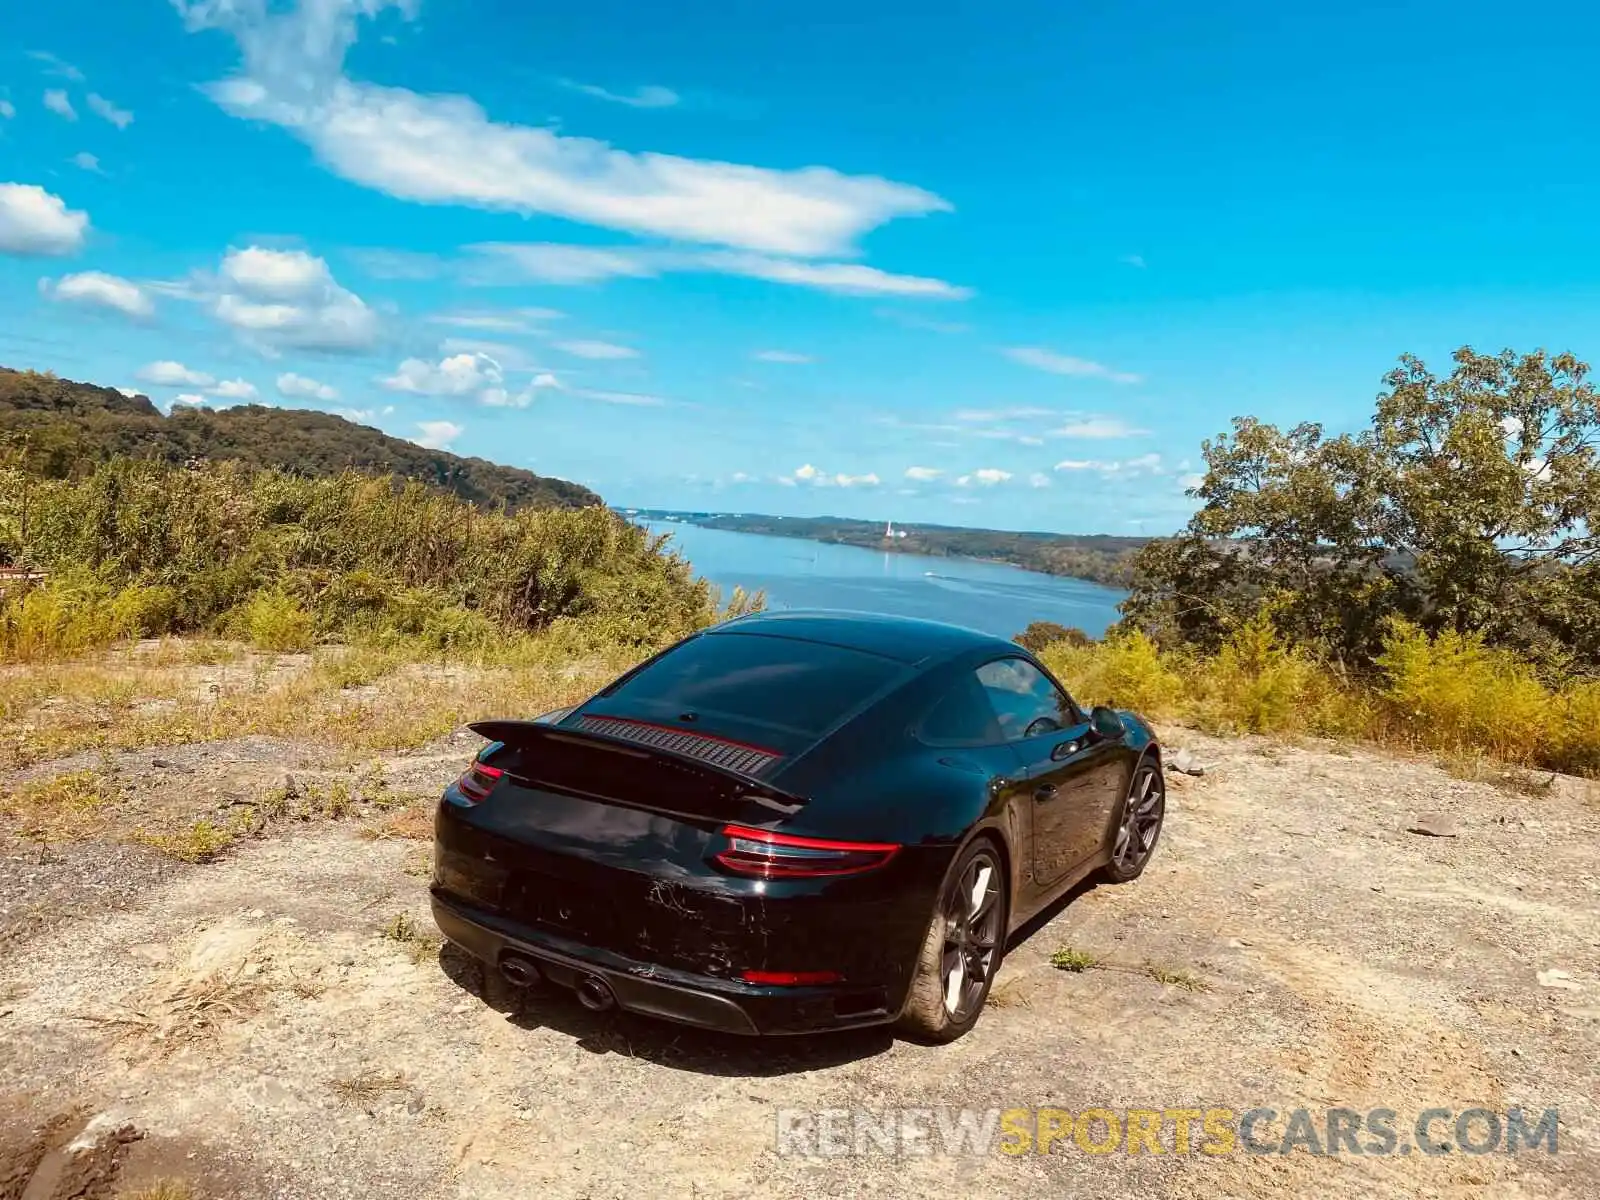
(594, 993)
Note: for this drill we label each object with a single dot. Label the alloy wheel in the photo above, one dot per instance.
(972, 915)
(1141, 819)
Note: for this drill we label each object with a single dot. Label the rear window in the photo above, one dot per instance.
(780, 693)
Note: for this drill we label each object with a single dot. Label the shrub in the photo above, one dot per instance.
(275, 621)
(1453, 692)
(1126, 670)
(1041, 635)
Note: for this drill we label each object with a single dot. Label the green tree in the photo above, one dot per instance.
(1471, 503)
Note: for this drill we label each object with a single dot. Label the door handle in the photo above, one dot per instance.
(1044, 792)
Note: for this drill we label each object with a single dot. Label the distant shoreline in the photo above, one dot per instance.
(1102, 559)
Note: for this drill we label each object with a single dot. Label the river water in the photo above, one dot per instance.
(795, 573)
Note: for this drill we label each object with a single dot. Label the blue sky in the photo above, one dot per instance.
(988, 265)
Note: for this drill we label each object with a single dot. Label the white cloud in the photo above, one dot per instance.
(1065, 364)
(1192, 481)
(235, 389)
(818, 478)
(1144, 464)
(649, 96)
(1096, 427)
(57, 102)
(633, 399)
(99, 290)
(1039, 480)
(741, 477)
(849, 279)
(120, 117)
(1134, 260)
(781, 356)
(437, 435)
(499, 397)
(597, 350)
(298, 387)
(984, 477)
(86, 161)
(513, 321)
(167, 373)
(458, 375)
(130, 392)
(56, 66)
(190, 399)
(1000, 414)
(33, 221)
(923, 474)
(289, 299)
(7, 109)
(551, 262)
(447, 150)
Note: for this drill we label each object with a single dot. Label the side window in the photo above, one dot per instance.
(963, 717)
(1025, 701)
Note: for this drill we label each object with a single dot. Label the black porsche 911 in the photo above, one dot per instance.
(793, 821)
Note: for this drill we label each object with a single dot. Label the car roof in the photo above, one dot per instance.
(906, 639)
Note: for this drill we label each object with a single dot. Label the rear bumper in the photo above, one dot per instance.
(688, 999)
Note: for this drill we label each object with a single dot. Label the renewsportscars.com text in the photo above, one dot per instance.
(844, 1132)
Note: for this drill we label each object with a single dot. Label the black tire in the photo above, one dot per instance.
(1141, 815)
(977, 946)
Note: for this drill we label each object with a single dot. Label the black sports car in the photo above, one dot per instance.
(793, 821)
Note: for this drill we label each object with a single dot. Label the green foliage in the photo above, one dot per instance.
(1126, 671)
(1453, 692)
(1471, 505)
(138, 548)
(275, 621)
(1040, 635)
(65, 429)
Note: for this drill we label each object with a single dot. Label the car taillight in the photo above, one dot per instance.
(766, 855)
(791, 978)
(478, 781)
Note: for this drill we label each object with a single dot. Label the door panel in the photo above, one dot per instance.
(1065, 767)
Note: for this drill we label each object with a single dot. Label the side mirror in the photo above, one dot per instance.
(1106, 723)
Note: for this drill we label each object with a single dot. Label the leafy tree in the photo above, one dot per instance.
(1041, 634)
(1471, 504)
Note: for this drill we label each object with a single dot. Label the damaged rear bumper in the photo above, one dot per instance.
(727, 1006)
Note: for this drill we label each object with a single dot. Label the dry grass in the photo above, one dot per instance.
(368, 1088)
(420, 944)
(63, 808)
(121, 700)
(411, 823)
(199, 842)
(162, 1189)
(1176, 977)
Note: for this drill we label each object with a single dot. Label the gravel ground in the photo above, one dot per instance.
(247, 1024)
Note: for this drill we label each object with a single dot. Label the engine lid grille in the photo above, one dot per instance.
(719, 752)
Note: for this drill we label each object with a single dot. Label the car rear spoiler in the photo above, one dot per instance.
(736, 786)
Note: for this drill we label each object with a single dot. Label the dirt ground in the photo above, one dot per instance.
(281, 1022)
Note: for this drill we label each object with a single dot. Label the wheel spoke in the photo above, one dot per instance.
(954, 982)
(982, 893)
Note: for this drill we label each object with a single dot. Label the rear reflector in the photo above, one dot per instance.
(790, 978)
(478, 782)
(763, 854)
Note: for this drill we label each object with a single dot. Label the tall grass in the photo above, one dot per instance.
(140, 549)
(1451, 693)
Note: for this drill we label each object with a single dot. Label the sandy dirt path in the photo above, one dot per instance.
(279, 1024)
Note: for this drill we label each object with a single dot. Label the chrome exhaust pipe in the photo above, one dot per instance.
(595, 994)
(520, 972)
